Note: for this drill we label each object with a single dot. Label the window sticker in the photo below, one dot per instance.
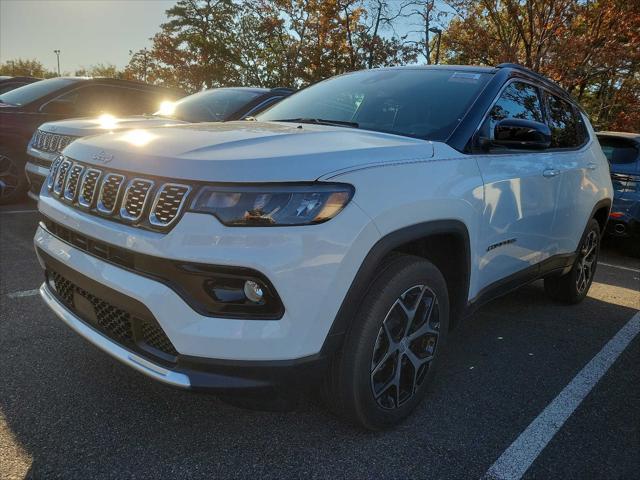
(465, 77)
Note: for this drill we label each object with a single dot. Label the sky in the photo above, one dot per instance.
(85, 31)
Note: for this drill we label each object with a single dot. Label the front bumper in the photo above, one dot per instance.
(310, 268)
(197, 373)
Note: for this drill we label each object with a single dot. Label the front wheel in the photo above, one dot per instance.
(573, 287)
(391, 350)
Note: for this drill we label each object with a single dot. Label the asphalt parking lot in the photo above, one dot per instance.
(67, 410)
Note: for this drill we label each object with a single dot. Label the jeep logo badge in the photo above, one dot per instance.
(102, 157)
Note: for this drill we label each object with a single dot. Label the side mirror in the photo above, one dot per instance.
(60, 107)
(521, 134)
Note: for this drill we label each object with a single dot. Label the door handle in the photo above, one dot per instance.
(592, 166)
(550, 173)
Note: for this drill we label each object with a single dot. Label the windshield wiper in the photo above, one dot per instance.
(320, 121)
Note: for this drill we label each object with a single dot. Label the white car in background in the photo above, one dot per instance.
(335, 241)
(215, 105)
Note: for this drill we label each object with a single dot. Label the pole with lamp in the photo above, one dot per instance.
(57, 52)
(437, 31)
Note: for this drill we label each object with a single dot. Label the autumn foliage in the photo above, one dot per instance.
(590, 47)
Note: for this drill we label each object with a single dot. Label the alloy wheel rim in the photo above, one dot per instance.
(587, 261)
(405, 346)
(9, 178)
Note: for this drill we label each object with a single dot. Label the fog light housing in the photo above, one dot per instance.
(253, 291)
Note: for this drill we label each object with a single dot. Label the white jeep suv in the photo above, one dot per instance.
(334, 241)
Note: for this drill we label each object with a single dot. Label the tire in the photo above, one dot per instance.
(361, 385)
(13, 180)
(572, 287)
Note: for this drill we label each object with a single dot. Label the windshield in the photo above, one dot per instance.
(209, 106)
(422, 103)
(32, 92)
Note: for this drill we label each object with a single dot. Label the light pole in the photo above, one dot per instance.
(57, 52)
(438, 31)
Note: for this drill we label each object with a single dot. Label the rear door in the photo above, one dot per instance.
(520, 196)
(579, 179)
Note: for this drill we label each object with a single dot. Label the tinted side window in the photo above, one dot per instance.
(139, 101)
(567, 129)
(10, 86)
(517, 100)
(96, 99)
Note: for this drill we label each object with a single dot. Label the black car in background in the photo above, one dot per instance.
(11, 83)
(215, 105)
(623, 152)
(22, 110)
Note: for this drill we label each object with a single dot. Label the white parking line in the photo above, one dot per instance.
(516, 459)
(24, 293)
(635, 270)
(9, 212)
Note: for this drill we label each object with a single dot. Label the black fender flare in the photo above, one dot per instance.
(367, 272)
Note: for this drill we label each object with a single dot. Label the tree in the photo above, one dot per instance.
(25, 68)
(591, 47)
(194, 48)
(100, 70)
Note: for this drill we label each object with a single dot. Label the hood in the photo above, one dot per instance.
(82, 127)
(245, 151)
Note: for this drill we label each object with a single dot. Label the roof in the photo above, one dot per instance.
(283, 90)
(120, 81)
(470, 68)
(18, 78)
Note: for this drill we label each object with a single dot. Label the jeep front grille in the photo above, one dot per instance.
(144, 202)
(50, 142)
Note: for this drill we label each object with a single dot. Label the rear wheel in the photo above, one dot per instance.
(13, 181)
(391, 350)
(573, 286)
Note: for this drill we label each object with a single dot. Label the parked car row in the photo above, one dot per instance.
(332, 241)
(32, 133)
(216, 105)
(11, 83)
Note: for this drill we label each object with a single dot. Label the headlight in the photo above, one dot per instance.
(273, 205)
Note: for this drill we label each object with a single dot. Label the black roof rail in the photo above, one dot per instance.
(548, 82)
(283, 90)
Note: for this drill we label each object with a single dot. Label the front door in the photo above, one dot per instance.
(520, 194)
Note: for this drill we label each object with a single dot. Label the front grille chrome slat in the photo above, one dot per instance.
(109, 193)
(148, 203)
(168, 204)
(52, 172)
(71, 185)
(61, 177)
(87, 190)
(135, 199)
